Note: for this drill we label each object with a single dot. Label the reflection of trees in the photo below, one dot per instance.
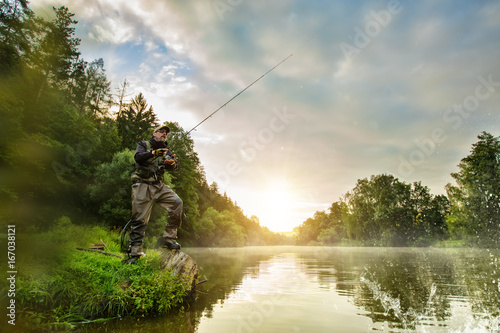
(479, 271)
(224, 269)
(404, 287)
(408, 286)
(395, 285)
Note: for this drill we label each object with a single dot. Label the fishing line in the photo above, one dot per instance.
(251, 84)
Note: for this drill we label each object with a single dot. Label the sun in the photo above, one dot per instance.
(277, 205)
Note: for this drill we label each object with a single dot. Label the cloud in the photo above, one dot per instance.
(354, 116)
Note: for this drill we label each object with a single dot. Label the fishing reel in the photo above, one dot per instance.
(166, 159)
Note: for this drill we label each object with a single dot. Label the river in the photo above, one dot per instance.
(336, 289)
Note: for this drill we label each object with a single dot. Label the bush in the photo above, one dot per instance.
(110, 192)
(218, 229)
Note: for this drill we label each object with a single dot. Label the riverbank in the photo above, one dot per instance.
(59, 287)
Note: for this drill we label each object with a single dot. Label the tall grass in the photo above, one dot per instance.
(59, 286)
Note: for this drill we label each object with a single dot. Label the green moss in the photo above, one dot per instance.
(59, 286)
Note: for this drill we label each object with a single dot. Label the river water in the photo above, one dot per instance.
(336, 289)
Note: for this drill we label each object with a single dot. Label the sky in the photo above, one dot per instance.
(373, 87)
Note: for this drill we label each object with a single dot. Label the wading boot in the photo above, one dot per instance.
(134, 254)
(171, 244)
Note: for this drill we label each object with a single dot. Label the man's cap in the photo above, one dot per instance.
(165, 127)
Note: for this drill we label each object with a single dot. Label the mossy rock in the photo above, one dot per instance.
(182, 266)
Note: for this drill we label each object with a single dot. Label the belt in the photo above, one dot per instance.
(146, 182)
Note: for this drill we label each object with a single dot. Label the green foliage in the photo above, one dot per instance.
(110, 191)
(49, 147)
(60, 286)
(329, 236)
(15, 18)
(136, 121)
(90, 88)
(385, 211)
(188, 176)
(475, 215)
(218, 229)
(380, 211)
(55, 52)
(323, 228)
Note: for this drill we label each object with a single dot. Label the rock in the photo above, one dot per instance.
(184, 267)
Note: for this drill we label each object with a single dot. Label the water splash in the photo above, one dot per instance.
(407, 318)
(462, 320)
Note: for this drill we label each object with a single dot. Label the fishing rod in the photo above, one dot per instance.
(251, 84)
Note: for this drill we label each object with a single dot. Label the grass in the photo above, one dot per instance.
(59, 286)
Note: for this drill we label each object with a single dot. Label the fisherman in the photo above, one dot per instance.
(152, 158)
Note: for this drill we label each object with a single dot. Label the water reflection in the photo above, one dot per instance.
(317, 289)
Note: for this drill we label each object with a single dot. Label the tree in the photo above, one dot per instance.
(109, 192)
(373, 210)
(53, 57)
(335, 232)
(90, 88)
(189, 176)
(122, 94)
(229, 233)
(476, 197)
(382, 211)
(325, 228)
(15, 18)
(205, 228)
(311, 228)
(49, 148)
(136, 122)
(218, 229)
(428, 215)
(33, 140)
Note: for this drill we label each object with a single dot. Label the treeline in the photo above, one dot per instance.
(63, 152)
(384, 211)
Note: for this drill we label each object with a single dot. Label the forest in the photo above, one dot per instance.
(68, 139)
(383, 211)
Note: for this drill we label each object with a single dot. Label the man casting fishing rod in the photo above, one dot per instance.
(152, 158)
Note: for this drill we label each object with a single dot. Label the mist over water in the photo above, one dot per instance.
(334, 289)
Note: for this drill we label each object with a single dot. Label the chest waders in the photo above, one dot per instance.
(148, 189)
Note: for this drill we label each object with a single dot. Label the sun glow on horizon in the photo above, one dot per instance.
(278, 201)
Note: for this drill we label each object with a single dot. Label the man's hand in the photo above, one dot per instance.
(159, 152)
(170, 162)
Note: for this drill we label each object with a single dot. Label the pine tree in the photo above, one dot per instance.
(136, 122)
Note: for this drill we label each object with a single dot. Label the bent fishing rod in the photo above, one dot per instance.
(251, 84)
